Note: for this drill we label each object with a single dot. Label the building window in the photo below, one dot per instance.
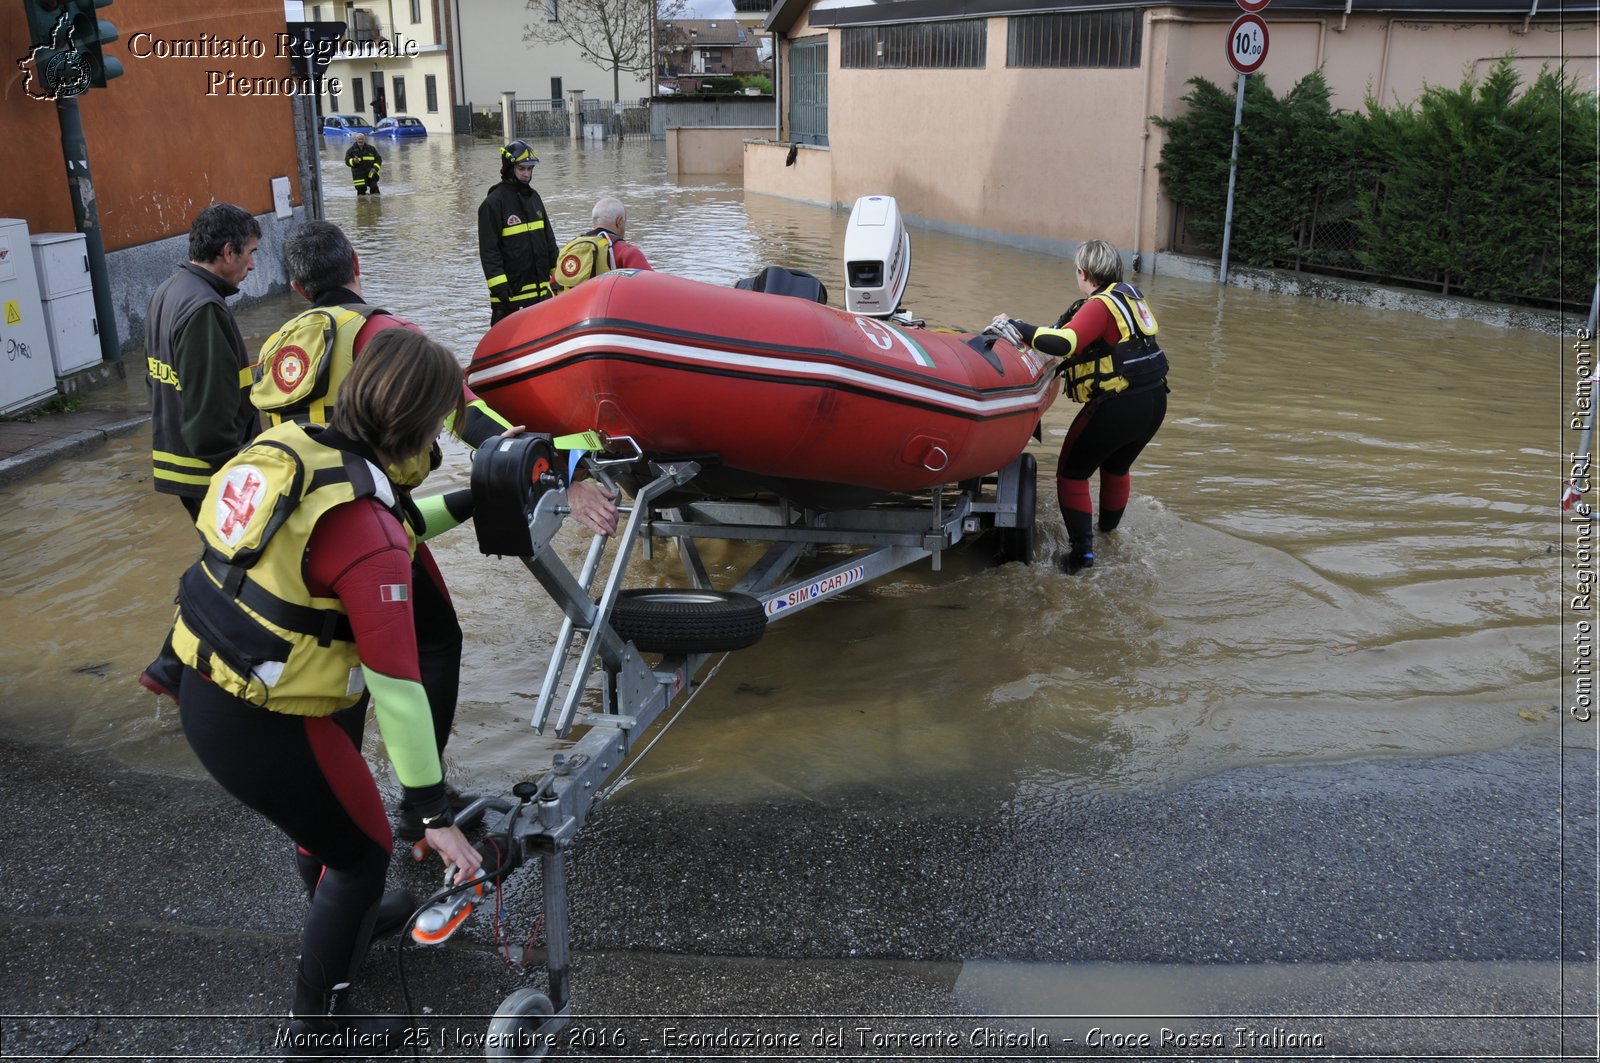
(359, 87)
(416, 11)
(316, 12)
(400, 95)
(1086, 39)
(550, 13)
(430, 87)
(808, 91)
(944, 45)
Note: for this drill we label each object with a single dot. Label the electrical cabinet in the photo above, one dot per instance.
(74, 332)
(27, 375)
(62, 261)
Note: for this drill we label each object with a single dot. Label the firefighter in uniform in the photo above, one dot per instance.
(365, 165)
(515, 243)
(199, 376)
(200, 411)
(1115, 367)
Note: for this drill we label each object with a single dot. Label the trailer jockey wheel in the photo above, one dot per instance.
(663, 620)
(517, 1030)
(1016, 544)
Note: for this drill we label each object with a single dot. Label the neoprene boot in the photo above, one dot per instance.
(163, 674)
(393, 911)
(340, 1033)
(1080, 531)
(1110, 518)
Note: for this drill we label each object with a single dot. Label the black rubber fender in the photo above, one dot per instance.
(684, 621)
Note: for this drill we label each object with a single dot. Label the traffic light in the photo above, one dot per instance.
(89, 33)
(42, 16)
(70, 37)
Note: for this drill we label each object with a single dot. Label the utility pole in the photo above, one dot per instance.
(86, 216)
(68, 60)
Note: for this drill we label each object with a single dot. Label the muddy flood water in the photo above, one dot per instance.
(1343, 544)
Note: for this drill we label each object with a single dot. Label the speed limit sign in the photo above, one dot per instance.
(1247, 43)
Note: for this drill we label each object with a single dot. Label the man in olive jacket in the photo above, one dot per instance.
(200, 409)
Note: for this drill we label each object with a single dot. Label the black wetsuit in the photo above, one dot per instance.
(307, 776)
(1113, 426)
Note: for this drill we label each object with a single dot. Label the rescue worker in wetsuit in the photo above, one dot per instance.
(1114, 366)
(325, 270)
(515, 243)
(365, 165)
(300, 602)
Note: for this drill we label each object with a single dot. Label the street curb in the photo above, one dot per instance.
(20, 466)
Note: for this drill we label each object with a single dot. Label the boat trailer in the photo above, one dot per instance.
(520, 503)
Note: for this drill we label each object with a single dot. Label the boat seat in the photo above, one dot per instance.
(776, 280)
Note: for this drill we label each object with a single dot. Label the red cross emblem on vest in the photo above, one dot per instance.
(241, 494)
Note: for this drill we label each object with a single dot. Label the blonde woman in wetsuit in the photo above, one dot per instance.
(1114, 366)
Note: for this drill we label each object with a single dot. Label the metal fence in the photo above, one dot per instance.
(629, 118)
(547, 118)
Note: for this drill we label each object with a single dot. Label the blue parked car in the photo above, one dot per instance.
(400, 125)
(345, 125)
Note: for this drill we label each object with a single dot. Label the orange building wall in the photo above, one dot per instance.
(160, 148)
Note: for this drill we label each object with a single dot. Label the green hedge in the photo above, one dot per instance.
(1291, 150)
(1481, 190)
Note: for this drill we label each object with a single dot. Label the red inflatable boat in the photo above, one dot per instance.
(785, 389)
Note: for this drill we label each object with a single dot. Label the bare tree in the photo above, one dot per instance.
(614, 35)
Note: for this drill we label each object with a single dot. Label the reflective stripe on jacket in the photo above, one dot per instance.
(176, 469)
(365, 163)
(515, 244)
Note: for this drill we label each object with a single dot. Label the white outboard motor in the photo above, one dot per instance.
(877, 257)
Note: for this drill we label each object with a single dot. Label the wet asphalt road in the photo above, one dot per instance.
(144, 910)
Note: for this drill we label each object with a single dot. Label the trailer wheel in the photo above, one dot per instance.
(665, 620)
(1017, 544)
(516, 1030)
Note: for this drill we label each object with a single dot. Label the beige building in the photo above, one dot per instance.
(494, 59)
(394, 51)
(427, 57)
(1030, 122)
